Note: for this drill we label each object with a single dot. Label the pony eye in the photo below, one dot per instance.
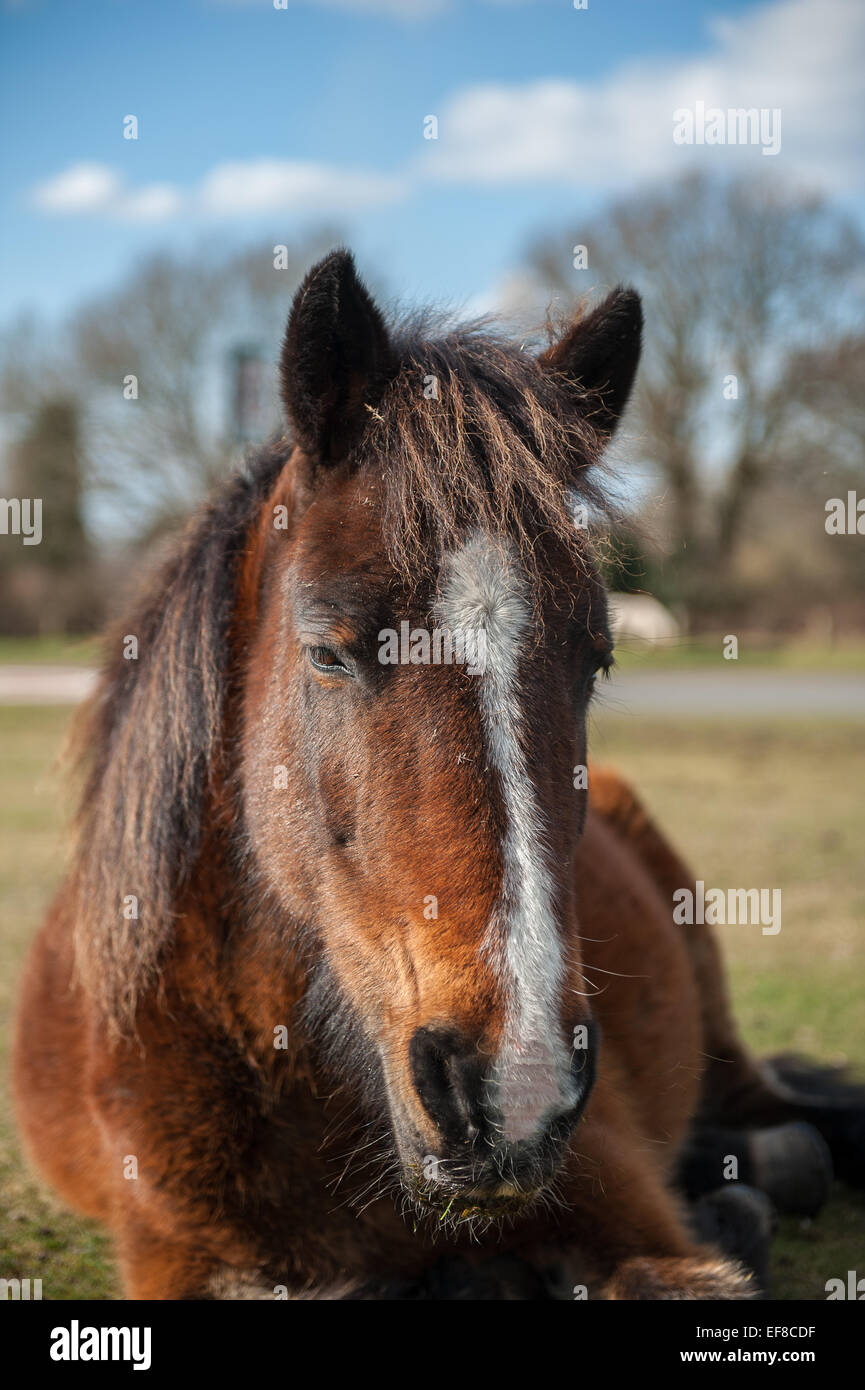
(326, 659)
(603, 668)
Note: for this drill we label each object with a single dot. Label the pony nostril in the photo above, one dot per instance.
(429, 1072)
(447, 1077)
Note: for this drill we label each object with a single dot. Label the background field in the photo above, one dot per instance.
(751, 803)
(509, 159)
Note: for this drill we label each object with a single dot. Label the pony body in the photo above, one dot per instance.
(354, 992)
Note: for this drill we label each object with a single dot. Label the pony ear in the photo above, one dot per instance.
(601, 353)
(336, 358)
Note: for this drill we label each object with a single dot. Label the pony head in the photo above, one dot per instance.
(430, 627)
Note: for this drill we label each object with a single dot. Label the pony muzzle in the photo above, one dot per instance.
(478, 1160)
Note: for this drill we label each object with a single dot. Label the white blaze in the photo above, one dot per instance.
(485, 589)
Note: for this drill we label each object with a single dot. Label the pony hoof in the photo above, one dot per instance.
(740, 1221)
(793, 1166)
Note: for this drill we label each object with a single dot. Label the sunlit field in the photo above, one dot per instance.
(750, 803)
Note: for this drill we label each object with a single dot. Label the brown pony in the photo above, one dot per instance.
(352, 989)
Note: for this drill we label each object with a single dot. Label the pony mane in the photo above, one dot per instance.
(474, 432)
(150, 741)
(504, 445)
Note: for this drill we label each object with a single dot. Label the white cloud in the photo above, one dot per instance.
(94, 188)
(228, 190)
(274, 185)
(804, 60)
(80, 188)
(604, 135)
(154, 203)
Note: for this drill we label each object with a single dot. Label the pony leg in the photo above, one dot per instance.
(623, 1231)
(739, 1091)
(791, 1163)
(712, 1277)
(672, 1264)
(156, 1267)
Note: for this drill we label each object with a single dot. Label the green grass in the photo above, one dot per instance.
(755, 653)
(39, 1239)
(49, 651)
(751, 803)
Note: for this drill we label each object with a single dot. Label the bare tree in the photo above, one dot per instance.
(826, 420)
(739, 279)
(50, 587)
(153, 358)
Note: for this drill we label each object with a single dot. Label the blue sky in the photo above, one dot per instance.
(257, 123)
